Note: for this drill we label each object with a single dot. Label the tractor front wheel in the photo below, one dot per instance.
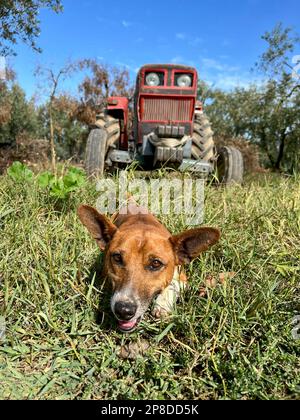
(230, 166)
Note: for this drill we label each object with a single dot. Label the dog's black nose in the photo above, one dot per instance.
(125, 310)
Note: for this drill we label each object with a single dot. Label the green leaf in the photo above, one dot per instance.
(59, 190)
(70, 180)
(20, 172)
(62, 187)
(45, 179)
(76, 171)
(75, 178)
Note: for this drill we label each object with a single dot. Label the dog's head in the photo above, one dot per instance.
(141, 257)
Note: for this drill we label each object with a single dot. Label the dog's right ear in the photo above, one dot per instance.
(99, 226)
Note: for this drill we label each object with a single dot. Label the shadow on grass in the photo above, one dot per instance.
(103, 316)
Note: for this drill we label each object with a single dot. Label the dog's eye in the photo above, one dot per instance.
(155, 265)
(117, 258)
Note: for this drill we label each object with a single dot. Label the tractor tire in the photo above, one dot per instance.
(203, 147)
(111, 126)
(230, 166)
(96, 152)
(104, 135)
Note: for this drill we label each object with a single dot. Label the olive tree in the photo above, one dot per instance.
(266, 114)
(19, 20)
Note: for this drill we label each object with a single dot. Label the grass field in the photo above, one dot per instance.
(235, 343)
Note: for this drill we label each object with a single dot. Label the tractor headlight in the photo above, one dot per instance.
(153, 79)
(185, 80)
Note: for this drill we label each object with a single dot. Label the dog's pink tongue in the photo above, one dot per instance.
(127, 325)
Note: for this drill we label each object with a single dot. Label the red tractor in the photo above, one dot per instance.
(169, 128)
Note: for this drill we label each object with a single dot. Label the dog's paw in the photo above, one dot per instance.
(160, 313)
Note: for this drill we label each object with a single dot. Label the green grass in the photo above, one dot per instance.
(234, 344)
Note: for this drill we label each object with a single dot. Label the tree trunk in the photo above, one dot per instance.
(52, 143)
(281, 151)
(264, 145)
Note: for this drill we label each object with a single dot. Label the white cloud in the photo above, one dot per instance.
(181, 36)
(126, 23)
(177, 59)
(212, 64)
(231, 82)
(237, 80)
(224, 57)
(225, 76)
(226, 43)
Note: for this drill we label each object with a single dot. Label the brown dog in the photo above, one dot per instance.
(142, 259)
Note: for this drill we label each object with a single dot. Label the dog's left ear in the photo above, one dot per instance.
(190, 244)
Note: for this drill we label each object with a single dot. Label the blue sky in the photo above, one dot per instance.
(222, 38)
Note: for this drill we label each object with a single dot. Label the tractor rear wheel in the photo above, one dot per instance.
(230, 165)
(112, 126)
(203, 147)
(96, 152)
(104, 135)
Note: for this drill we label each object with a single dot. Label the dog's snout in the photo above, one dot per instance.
(125, 310)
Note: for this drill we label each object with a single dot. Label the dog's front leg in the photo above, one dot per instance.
(166, 301)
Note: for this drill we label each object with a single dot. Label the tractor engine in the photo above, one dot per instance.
(165, 103)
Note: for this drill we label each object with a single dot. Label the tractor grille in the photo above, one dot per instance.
(167, 109)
